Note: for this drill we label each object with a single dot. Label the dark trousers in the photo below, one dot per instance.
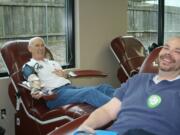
(137, 132)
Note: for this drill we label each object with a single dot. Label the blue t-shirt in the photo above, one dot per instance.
(136, 112)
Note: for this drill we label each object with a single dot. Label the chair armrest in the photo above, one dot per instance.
(86, 73)
(24, 86)
(49, 97)
(45, 97)
(69, 127)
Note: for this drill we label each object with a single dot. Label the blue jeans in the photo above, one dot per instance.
(95, 95)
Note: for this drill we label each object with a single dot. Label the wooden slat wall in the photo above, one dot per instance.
(23, 19)
(27, 20)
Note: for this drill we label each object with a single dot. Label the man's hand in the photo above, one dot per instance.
(37, 95)
(35, 82)
(86, 129)
(60, 72)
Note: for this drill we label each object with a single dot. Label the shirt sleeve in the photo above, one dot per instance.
(27, 71)
(121, 91)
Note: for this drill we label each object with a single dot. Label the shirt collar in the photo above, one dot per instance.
(156, 81)
(35, 61)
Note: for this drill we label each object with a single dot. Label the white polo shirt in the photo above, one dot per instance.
(44, 69)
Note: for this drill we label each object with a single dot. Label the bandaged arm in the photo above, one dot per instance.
(30, 75)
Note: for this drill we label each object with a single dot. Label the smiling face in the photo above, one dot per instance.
(37, 48)
(169, 56)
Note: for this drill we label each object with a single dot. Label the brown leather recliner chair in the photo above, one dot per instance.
(30, 113)
(130, 54)
(149, 66)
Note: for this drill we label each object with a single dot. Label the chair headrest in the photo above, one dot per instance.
(150, 64)
(15, 54)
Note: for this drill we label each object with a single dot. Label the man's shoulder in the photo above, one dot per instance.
(31, 63)
(144, 76)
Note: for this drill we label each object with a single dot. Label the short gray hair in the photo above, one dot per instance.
(31, 41)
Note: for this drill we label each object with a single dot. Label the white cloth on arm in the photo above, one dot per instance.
(44, 70)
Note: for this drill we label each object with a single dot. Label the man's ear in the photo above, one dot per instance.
(29, 48)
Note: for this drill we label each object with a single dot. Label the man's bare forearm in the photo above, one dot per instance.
(98, 118)
(103, 115)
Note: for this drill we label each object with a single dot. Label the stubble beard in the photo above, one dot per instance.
(168, 68)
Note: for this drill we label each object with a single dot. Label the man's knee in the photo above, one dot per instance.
(92, 91)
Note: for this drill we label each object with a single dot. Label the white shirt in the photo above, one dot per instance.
(44, 69)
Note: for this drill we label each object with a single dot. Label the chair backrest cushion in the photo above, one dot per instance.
(15, 54)
(129, 52)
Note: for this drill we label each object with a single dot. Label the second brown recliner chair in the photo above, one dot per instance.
(130, 54)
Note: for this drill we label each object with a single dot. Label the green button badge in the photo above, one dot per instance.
(153, 101)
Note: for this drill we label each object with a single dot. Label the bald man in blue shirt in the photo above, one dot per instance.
(147, 104)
